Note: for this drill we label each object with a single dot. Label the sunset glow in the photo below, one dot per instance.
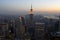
(38, 5)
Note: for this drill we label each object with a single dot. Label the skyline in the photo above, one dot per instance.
(25, 5)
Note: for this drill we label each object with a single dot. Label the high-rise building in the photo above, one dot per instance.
(59, 24)
(56, 26)
(3, 28)
(39, 31)
(20, 29)
(11, 31)
(29, 21)
(31, 17)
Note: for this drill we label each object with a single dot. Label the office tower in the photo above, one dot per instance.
(29, 24)
(12, 28)
(12, 24)
(31, 17)
(59, 23)
(56, 31)
(39, 31)
(20, 29)
(6, 22)
(57, 26)
(51, 25)
(30, 20)
(23, 24)
(3, 28)
(31, 14)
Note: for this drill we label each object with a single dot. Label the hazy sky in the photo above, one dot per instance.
(38, 5)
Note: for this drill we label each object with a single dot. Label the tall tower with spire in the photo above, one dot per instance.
(31, 17)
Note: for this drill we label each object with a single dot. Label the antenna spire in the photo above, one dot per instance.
(31, 10)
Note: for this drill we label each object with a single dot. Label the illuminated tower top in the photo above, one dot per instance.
(31, 10)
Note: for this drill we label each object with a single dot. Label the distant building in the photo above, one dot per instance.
(20, 29)
(59, 23)
(38, 32)
(56, 26)
(11, 31)
(57, 36)
(3, 29)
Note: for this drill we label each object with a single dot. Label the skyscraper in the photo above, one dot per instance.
(30, 20)
(20, 29)
(39, 31)
(59, 24)
(31, 11)
(31, 17)
(3, 28)
(12, 28)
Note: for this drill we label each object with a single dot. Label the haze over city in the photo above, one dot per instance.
(23, 6)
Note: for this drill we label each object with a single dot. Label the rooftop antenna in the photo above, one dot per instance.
(31, 10)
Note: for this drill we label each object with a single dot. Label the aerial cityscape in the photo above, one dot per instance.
(16, 24)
